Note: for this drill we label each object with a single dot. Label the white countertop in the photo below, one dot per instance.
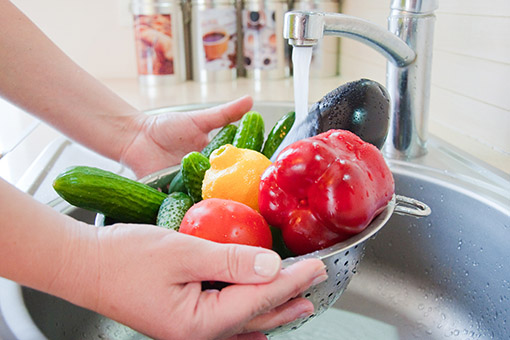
(14, 121)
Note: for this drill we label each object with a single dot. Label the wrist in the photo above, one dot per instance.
(130, 130)
(76, 278)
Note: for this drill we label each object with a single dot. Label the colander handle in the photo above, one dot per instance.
(410, 207)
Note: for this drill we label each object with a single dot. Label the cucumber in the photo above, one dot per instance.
(115, 196)
(224, 136)
(177, 184)
(250, 134)
(194, 166)
(278, 133)
(172, 210)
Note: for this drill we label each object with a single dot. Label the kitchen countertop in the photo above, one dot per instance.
(15, 121)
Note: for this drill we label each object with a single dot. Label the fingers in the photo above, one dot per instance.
(238, 304)
(249, 336)
(297, 308)
(219, 116)
(229, 262)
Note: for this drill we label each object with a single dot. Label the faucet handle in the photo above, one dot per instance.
(415, 6)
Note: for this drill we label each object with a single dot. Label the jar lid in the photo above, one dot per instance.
(317, 2)
(153, 6)
(213, 2)
(264, 2)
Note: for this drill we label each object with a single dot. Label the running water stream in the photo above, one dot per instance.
(301, 59)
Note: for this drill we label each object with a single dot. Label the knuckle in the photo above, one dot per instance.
(233, 263)
(295, 288)
(266, 303)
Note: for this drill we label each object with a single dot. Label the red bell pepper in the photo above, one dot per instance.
(323, 189)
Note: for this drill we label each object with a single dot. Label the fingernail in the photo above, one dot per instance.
(267, 264)
(320, 276)
(319, 279)
(305, 314)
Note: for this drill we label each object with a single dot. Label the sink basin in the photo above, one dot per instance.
(444, 276)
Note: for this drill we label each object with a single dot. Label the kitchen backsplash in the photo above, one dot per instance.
(471, 67)
(471, 61)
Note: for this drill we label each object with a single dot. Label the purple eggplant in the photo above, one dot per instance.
(361, 106)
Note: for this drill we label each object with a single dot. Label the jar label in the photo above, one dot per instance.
(154, 44)
(219, 38)
(260, 42)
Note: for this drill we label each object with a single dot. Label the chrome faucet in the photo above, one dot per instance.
(407, 45)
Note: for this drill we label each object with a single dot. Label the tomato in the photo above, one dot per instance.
(227, 221)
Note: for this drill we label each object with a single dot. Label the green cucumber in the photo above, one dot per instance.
(224, 136)
(115, 196)
(278, 133)
(177, 184)
(194, 166)
(172, 210)
(250, 134)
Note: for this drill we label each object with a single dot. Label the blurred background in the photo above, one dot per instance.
(470, 101)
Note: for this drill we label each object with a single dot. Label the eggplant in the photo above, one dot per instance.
(361, 106)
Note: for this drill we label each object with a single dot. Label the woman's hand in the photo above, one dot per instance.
(150, 279)
(162, 140)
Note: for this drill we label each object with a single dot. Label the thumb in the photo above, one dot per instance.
(222, 115)
(231, 263)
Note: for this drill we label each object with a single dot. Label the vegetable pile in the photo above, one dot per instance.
(317, 192)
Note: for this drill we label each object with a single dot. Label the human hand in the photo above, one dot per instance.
(150, 279)
(162, 140)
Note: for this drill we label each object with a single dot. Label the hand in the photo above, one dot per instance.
(162, 140)
(150, 279)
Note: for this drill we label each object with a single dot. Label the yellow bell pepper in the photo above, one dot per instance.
(235, 174)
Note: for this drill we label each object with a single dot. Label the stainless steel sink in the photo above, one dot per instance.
(441, 277)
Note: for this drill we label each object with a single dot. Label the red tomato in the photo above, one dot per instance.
(226, 221)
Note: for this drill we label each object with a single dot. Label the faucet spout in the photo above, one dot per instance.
(307, 28)
(408, 47)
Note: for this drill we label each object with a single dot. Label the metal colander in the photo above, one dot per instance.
(341, 260)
